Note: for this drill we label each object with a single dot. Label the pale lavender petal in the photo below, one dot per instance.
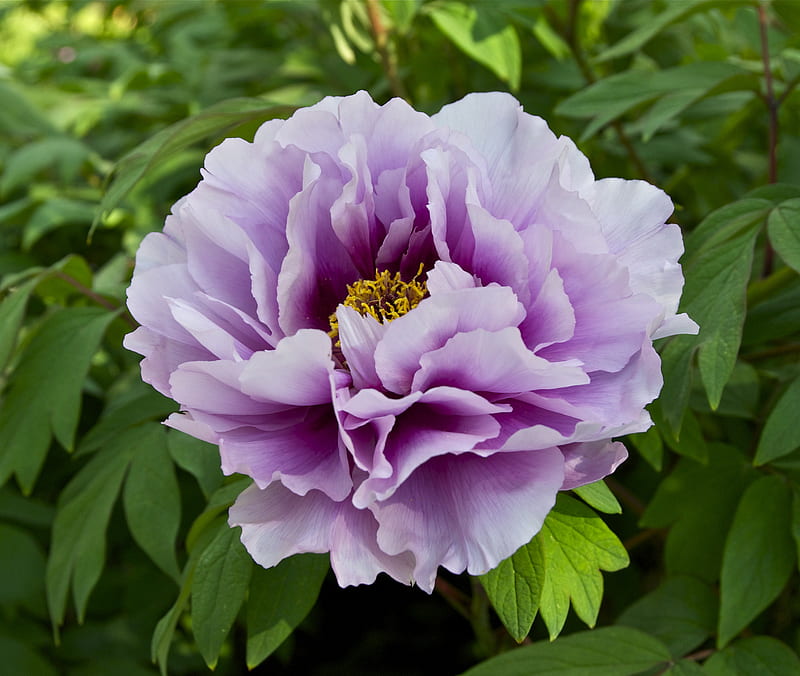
(433, 322)
(442, 519)
(360, 336)
(277, 523)
(590, 461)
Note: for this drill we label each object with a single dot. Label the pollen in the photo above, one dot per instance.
(386, 297)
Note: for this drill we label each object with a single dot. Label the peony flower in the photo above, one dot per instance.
(410, 331)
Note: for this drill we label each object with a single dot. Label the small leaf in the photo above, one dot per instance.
(20, 658)
(783, 227)
(78, 545)
(216, 119)
(714, 296)
(781, 433)
(44, 396)
(515, 587)
(152, 503)
(577, 546)
(685, 668)
(647, 30)
(682, 613)
(218, 589)
(610, 651)
(599, 496)
(12, 310)
(698, 502)
(759, 555)
(762, 655)
(280, 598)
(650, 446)
(483, 34)
(197, 457)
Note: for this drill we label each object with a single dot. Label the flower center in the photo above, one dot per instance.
(385, 298)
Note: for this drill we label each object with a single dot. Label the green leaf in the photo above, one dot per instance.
(682, 613)
(218, 589)
(280, 598)
(22, 564)
(762, 655)
(19, 658)
(152, 503)
(691, 442)
(759, 555)
(698, 501)
(685, 668)
(483, 34)
(655, 24)
(781, 434)
(676, 366)
(12, 310)
(714, 296)
(783, 226)
(599, 496)
(215, 120)
(197, 457)
(515, 587)
(78, 546)
(650, 447)
(165, 629)
(44, 396)
(577, 546)
(610, 651)
(612, 97)
(61, 152)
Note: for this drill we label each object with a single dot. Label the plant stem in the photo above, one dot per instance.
(95, 297)
(572, 38)
(772, 109)
(479, 618)
(381, 38)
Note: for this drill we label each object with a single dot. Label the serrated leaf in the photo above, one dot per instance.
(279, 600)
(698, 502)
(152, 503)
(197, 457)
(682, 613)
(783, 226)
(218, 589)
(762, 655)
(759, 555)
(599, 496)
(216, 119)
(77, 553)
(44, 396)
(781, 434)
(610, 651)
(515, 586)
(577, 546)
(483, 34)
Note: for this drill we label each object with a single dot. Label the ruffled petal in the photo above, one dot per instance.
(276, 524)
(469, 512)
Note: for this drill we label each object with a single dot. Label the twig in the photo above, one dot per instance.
(381, 43)
(571, 36)
(96, 297)
(772, 109)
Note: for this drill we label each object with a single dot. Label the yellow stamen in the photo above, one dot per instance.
(385, 298)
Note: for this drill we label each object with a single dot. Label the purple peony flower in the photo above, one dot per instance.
(410, 331)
